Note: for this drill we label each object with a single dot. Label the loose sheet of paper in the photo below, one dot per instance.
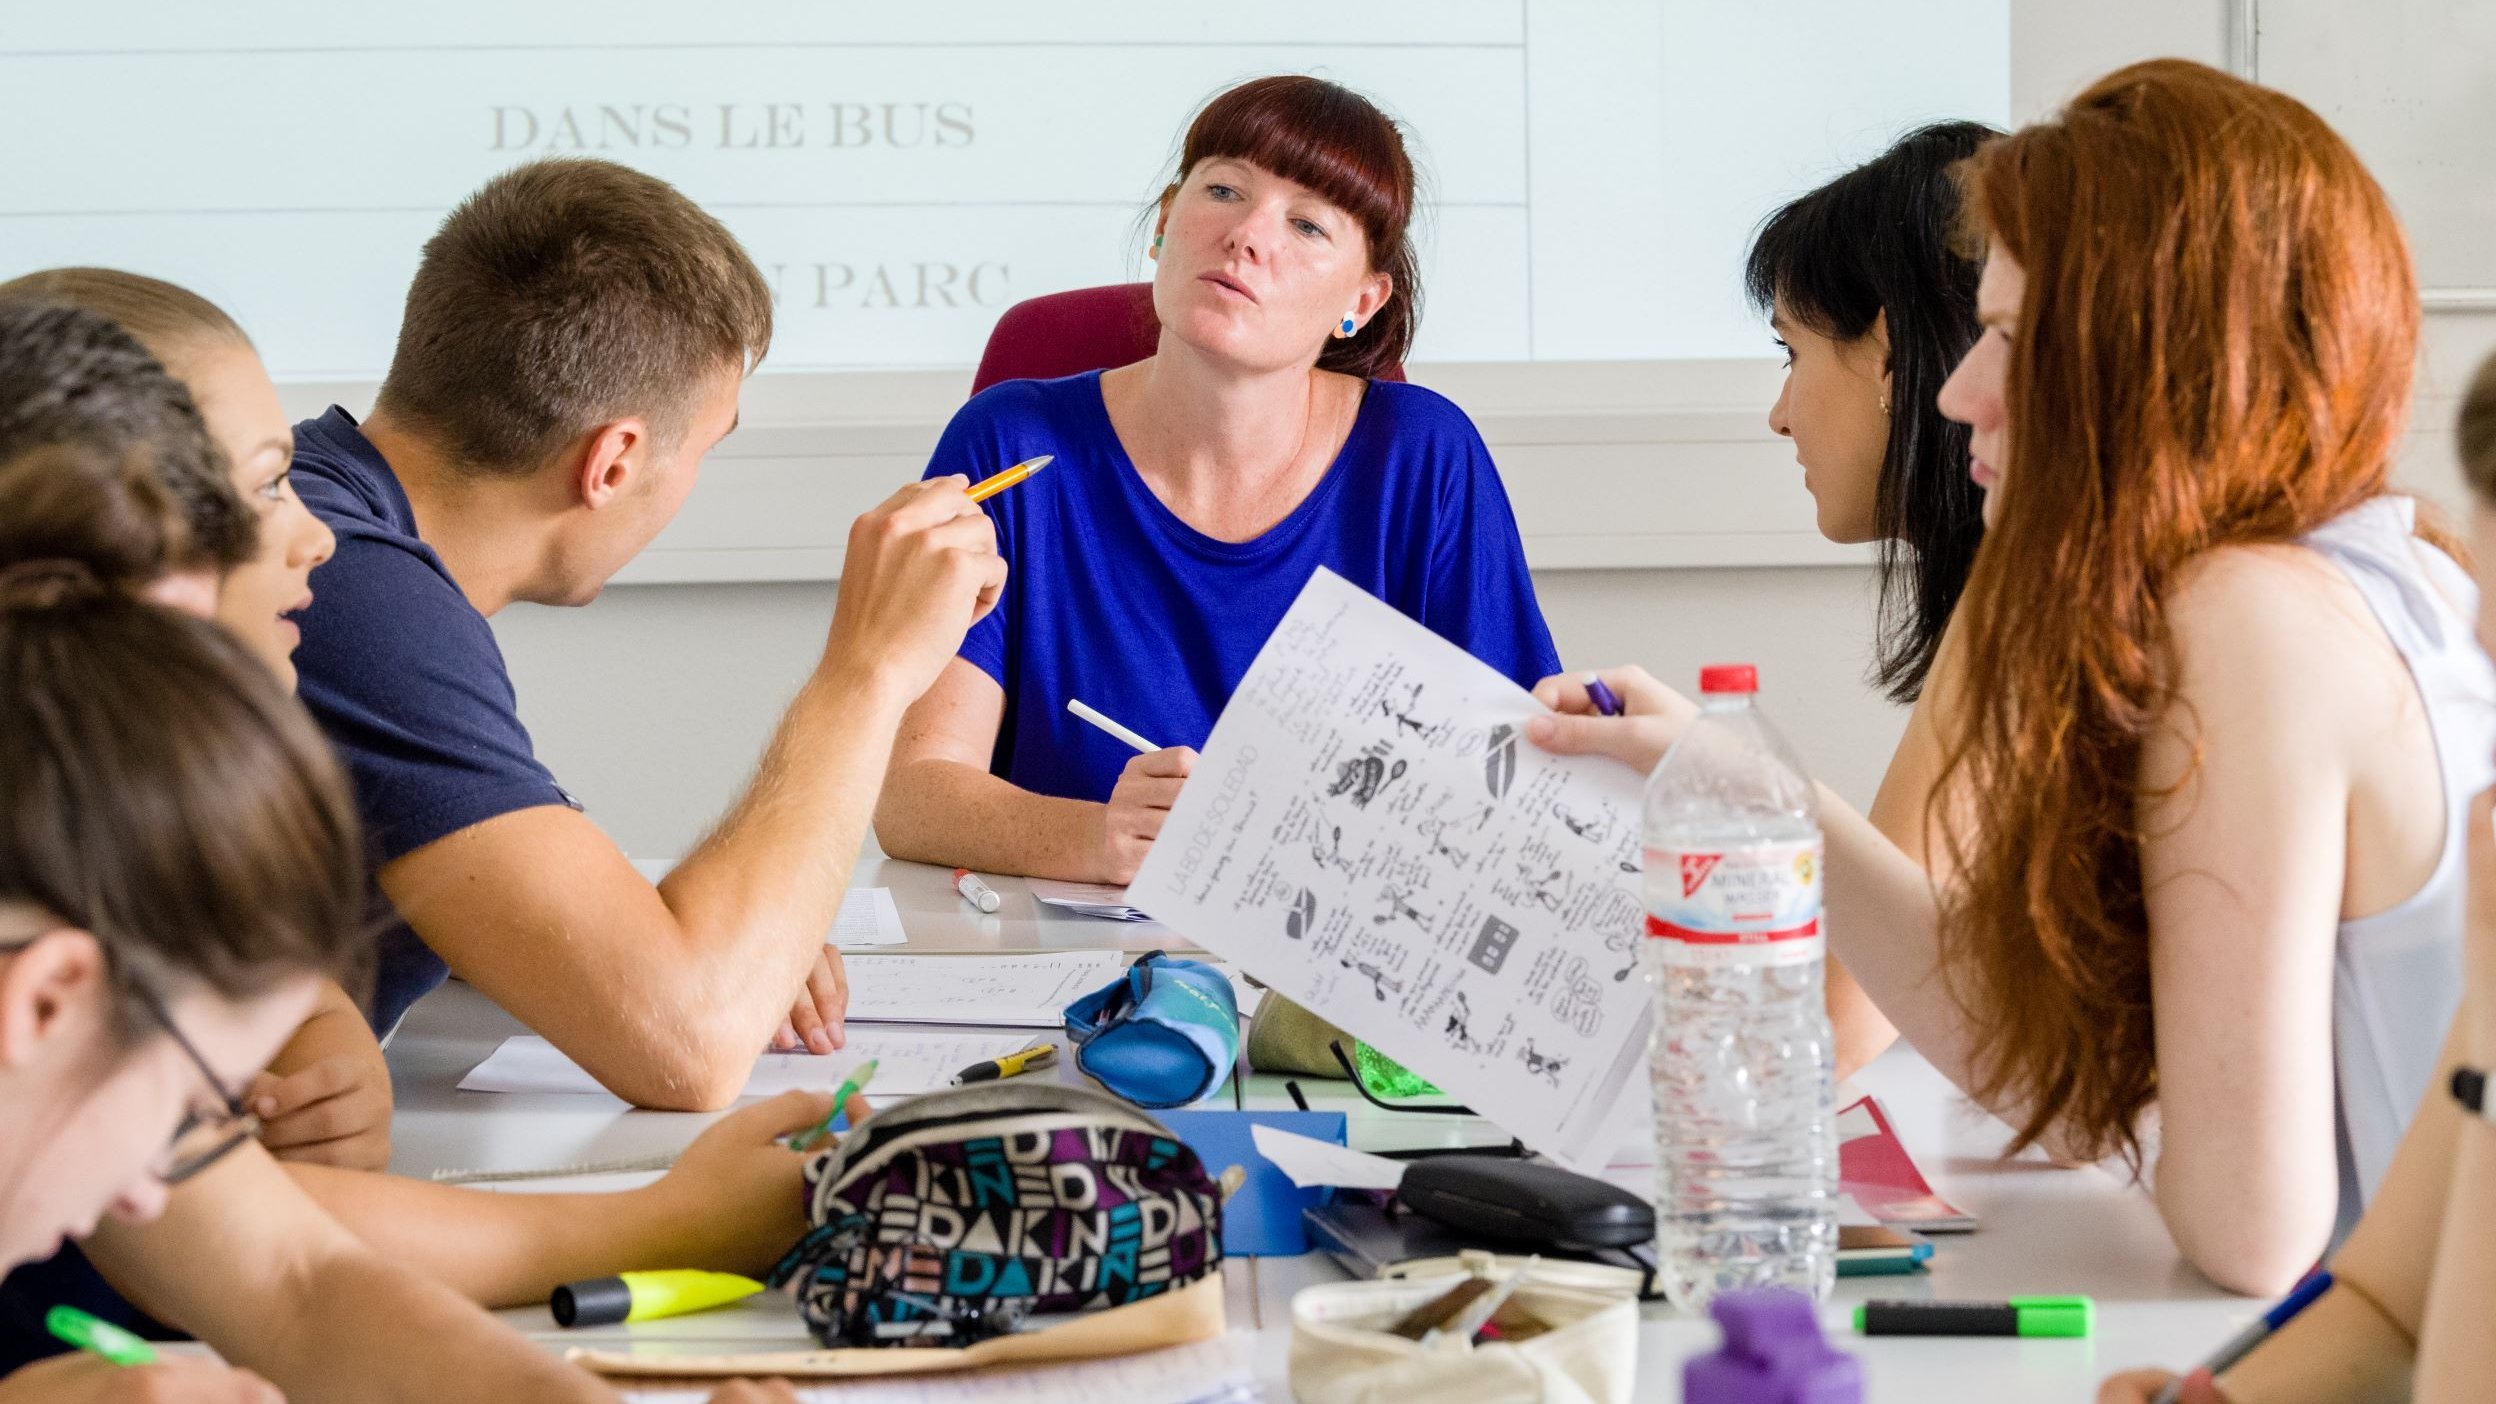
(1021, 991)
(1217, 1371)
(1314, 1164)
(909, 1061)
(1369, 833)
(868, 915)
(868, 918)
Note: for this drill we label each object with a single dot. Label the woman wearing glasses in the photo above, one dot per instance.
(179, 870)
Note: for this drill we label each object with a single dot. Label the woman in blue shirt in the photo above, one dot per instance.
(1196, 491)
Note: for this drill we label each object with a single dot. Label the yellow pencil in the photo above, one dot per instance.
(989, 487)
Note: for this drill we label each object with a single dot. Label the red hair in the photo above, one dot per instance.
(1336, 142)
(2215, 348)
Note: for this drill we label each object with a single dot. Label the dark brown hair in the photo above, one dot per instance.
(2214, 349)
(69, 376)
(168, 319)
(2478, 431)
(1336, 142)
(158, 787)
(562, 295)
(1879, 243)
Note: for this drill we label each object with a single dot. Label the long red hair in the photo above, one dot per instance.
(2215, 348)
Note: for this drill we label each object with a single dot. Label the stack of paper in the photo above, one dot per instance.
(1086, 899)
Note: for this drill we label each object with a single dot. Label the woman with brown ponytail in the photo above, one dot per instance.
(2201, 912)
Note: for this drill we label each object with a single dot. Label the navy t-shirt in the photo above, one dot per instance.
(406, 678)
(1116, 601)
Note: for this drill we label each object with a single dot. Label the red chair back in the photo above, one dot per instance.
(1068, 333)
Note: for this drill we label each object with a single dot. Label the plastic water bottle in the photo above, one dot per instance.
(1740, 1066)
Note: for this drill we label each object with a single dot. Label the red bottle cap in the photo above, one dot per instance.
(1729, 677)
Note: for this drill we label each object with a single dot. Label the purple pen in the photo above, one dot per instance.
(1607, 702)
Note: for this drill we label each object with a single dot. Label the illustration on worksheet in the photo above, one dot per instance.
(1303, 917)
(1499, 765)
(1369, 832)
(1381, 984)
(1546, 1066)
(1365, 777)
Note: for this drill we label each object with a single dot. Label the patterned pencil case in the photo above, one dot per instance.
(950, 1219)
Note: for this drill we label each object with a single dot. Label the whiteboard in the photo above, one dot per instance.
(904, 172)
(2412, 85)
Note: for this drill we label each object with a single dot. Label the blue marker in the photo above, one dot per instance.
(2242, 1343)
(1607, 702)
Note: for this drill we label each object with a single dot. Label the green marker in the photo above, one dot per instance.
(98, 1337)
(856, 1084)
(2020, 1316)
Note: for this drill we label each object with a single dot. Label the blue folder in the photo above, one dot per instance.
(1263, 1219)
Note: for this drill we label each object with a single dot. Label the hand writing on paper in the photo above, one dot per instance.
(85, 1379)
(1653, 718)
(736, 1191)
(2142, 1386)
(1137, 809)
(816, 1021)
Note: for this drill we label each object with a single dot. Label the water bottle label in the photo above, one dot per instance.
(1758, 904)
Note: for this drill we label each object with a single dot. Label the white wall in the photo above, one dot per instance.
(653, 703)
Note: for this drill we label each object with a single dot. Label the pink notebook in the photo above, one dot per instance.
(1874, 1168)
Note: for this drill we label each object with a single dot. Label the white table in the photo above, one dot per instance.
(2046, 1230)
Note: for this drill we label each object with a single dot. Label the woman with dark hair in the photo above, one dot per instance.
(1868, 292)
(2197, 915)
(1873, 303)
(1197, 490)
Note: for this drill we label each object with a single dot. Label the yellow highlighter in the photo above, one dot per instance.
(647, 1296)
(1008, 1066)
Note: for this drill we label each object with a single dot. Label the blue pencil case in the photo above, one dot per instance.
(1166, 1034)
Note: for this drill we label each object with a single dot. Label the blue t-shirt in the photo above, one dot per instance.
(405, 676)
(1116, 601)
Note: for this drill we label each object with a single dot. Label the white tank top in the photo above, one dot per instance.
(2397, 975)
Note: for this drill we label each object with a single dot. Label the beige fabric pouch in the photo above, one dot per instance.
(1341, 1352)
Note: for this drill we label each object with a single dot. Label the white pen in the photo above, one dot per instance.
(975, 892)
(1093, 716)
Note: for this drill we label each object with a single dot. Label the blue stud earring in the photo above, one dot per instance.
(1346, 329)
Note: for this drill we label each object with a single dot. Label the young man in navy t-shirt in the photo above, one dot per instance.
(573, 345)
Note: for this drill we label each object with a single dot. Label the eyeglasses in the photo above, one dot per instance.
(205, 1135)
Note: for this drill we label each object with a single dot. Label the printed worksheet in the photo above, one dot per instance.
(909, 1061)
(1019, 991)
(1369, 833)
